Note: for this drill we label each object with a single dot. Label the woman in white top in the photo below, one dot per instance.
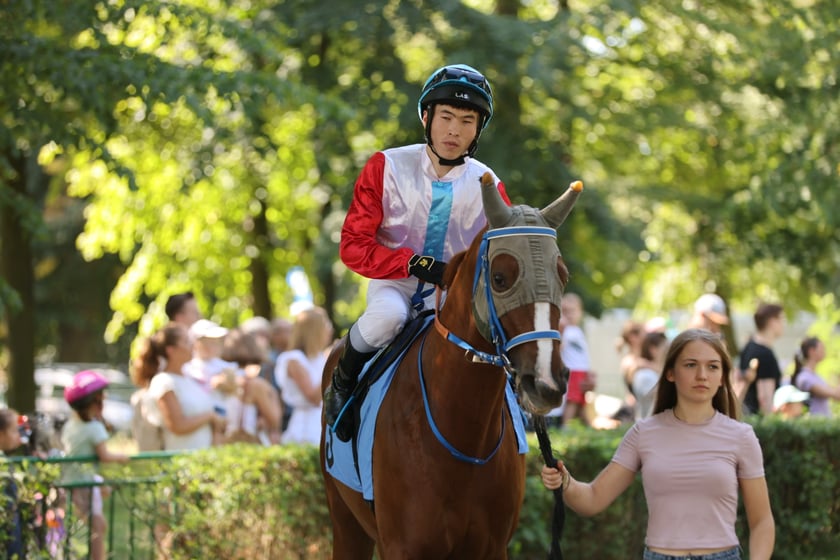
(298, 374)
(181, 405)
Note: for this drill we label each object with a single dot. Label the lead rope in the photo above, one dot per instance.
(558, 517)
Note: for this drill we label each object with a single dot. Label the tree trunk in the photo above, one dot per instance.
(17, 268)
(259, 270)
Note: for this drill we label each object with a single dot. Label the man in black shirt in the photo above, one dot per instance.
(770, 324)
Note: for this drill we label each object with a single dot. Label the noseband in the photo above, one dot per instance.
(494, 333)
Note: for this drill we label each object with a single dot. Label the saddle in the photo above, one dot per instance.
(384, 359)
(350, 462)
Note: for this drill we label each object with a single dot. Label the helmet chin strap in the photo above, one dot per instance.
(444, 161)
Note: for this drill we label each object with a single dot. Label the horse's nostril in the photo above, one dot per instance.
(548, 391)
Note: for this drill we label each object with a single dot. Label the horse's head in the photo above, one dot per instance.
(519, 281)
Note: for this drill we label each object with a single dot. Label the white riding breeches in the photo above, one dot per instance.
(388, 309)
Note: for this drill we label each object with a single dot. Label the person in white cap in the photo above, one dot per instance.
(208, 343)
(215, 373)
(709, 313)
(789, 402)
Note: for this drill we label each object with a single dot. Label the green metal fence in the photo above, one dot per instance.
(137, 506)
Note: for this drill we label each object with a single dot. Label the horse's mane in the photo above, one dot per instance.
(457, 261)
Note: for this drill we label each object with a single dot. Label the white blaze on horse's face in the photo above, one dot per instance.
(545, 347)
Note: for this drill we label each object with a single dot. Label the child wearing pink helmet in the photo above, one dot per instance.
(84, 435)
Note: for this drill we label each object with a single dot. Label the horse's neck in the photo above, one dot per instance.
(477, 389)
(467, 398)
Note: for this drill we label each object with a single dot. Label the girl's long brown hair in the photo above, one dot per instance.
(147, 363)
(725, 399)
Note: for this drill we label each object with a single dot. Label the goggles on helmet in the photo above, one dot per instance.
(459, 73)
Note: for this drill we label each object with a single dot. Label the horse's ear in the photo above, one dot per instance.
(557, 212)
(498, 213)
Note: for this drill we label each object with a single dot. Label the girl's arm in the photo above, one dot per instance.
(589, 498)
(297, 372)
(826, 391)
(106, 456)
(759, 517)
(178, 424)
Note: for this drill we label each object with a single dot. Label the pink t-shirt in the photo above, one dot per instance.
(690, 476)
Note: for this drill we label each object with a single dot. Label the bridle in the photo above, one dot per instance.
(496, 334)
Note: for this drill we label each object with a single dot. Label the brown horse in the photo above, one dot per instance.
(448, 476)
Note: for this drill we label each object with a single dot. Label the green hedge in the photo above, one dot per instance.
(252, 502)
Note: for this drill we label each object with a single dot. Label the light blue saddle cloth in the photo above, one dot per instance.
(341, 462)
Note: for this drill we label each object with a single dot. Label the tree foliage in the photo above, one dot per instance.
(215, 144)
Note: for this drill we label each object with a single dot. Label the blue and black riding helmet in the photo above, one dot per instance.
(458, 85)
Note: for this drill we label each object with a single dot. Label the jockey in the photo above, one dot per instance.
(413, 208)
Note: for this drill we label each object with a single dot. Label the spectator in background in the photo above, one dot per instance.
(299, 372)
(575, 355)
(709, 313)
(770, 325)
(183, 309)
(632, 334)
(260, 413)
(181, 405)
(805, 377)
(789, 402)
(208, 367)
(281, 333)
(645, 378)
(11, 529)
(741, 380)
(258, 330)
(279, 336)
(206, 363)
(147, 435)
(84, 435)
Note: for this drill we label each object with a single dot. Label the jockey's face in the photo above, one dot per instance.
(453, 130)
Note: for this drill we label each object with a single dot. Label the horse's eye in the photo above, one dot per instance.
(504, 270)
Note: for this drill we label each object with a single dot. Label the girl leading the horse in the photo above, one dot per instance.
(414, 207)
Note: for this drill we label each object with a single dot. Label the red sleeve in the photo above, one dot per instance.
(503, 192)
(359, 249)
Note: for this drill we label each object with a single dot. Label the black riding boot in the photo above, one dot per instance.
(343, 382)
